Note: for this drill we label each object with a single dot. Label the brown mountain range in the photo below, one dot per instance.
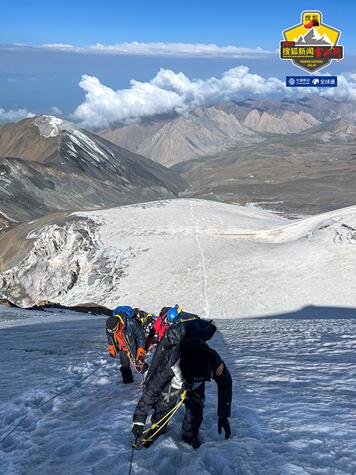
(47, 165)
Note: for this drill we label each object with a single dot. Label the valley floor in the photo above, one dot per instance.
(294, 409)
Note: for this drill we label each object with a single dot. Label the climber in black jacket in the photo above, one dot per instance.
(185, 362)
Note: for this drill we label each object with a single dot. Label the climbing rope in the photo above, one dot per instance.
(161, 423)
(132, 456)
(166, 418)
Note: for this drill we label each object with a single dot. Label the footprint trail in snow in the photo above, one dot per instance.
(203, 263)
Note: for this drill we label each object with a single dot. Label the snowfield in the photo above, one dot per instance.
(293, 413)
(215, 259)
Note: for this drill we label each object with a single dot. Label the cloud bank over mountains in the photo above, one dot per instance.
(175, 92)
(170, 91)
(13, 115)
(166, 92)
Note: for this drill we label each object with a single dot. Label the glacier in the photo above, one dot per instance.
(213, 258)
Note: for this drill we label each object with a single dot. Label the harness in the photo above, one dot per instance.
(160, 424)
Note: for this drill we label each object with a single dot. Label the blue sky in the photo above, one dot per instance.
(222, 22)
(38, 79)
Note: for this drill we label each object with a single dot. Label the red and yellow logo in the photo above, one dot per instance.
(311, 45)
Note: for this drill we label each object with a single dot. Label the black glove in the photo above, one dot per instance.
(223, 423)
(137, 430)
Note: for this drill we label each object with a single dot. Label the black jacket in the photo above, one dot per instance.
(160, 380)
(198, 363)
(184, 336)
(167, 352)
(133, 334)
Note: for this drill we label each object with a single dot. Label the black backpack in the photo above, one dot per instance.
(187, 329)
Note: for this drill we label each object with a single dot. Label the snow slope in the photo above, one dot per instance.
(219, 260)
(293, 412)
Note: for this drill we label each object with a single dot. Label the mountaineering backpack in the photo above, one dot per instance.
(123, 308)
(186, 329)
(145, 320)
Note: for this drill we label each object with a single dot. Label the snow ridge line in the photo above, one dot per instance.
(205, 281)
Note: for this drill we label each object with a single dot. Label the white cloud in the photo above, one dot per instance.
(56, 111)
(163, 49)
(103, 106)
(175, 92)
(58, 46)
(13, 115)
(345, 90)
(166, 92)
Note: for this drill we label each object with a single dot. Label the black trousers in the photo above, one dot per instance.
(194, 406)
(125, 368)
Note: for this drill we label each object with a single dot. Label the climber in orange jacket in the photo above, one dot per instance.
(126, 339)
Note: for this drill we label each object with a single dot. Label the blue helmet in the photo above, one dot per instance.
(173, 313)
(126, 309)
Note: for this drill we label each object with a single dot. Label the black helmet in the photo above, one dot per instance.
(113, 322)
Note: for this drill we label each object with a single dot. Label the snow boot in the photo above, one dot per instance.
(193, 441)
(126, 375)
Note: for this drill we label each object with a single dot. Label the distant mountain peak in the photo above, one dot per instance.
(51, 126)
(50, 164)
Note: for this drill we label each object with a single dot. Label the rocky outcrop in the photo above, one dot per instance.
(90, 308)
(289, 123)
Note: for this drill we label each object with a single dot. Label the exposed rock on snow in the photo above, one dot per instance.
(215, 259)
